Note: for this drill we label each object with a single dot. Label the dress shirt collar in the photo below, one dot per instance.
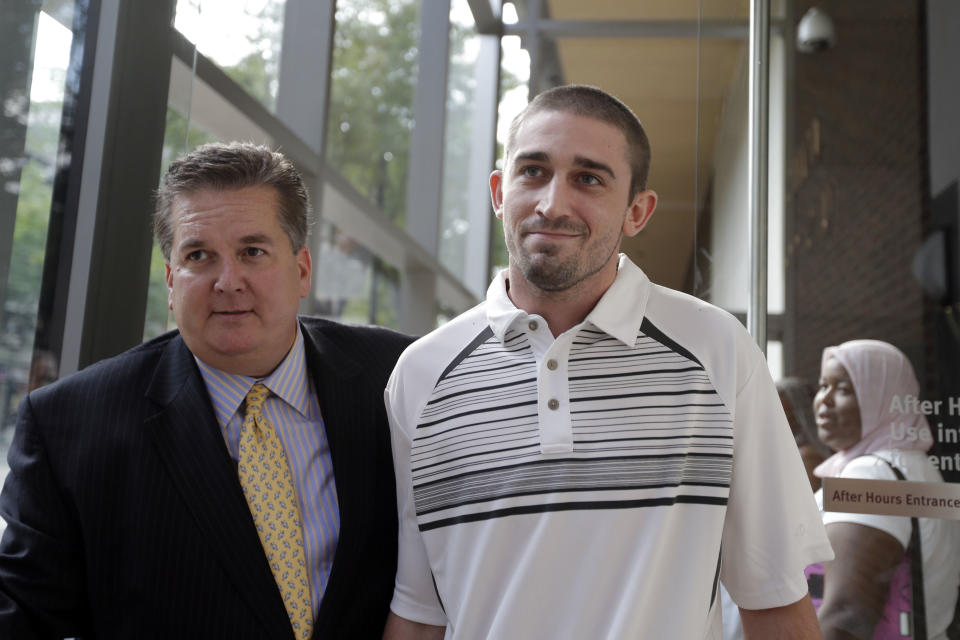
(618, 313)
(289, 382)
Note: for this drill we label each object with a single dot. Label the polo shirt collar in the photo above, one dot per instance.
(619, 312)
(501, 313)
(288, 382)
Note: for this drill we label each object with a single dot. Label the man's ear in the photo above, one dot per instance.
(638, 215)
(304, 269)
(496, 192)
(168, 276)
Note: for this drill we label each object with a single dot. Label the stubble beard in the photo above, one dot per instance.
(549, 272)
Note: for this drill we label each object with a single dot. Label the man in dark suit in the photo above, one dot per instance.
(138, 504)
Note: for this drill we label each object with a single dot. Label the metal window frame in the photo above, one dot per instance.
(103, 307)
(537, 31)
(105, 304)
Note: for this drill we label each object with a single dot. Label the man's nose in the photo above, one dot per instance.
(230, 277)
(553, 199)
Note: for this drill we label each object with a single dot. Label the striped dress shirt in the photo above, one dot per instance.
(295, 413)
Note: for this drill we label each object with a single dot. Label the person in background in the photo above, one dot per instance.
(796, 395)
(855, 409)
(587, 454)
(231, 479)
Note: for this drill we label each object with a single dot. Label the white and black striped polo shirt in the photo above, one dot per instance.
(644, 427)
(585, 478)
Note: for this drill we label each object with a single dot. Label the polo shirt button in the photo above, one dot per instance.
(551, 364)
(533, 325)
(553, 404)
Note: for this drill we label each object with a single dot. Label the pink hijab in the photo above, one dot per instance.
(880, 373)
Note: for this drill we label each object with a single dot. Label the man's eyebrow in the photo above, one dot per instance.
(587, 163)
(580, 161)
(256, 238)
(190, 243)
(534, 156)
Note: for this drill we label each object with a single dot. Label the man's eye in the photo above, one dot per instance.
(531, 171)
(253, 252)
(590, 179)
(196, 256)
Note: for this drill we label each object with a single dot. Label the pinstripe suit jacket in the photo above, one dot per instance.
(125, 518)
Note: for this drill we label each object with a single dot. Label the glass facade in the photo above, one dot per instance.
(39, 87)
(243, 39)
(371, 98)
(461, 86)
(345, 289)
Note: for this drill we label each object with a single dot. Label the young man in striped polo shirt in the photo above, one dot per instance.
(586, 454)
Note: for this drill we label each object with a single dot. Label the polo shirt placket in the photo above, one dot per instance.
(553, 390)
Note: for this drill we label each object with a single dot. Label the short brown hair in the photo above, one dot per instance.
(233, 165)
(584, 100)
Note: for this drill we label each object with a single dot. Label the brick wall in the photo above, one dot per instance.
(857, 185)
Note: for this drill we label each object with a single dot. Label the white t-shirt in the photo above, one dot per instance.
(598, 484)
(939, 539)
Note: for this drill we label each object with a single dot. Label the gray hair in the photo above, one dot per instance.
(233, 165)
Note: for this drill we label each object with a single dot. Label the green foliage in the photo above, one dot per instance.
(371, 98)
(255, 74)
(461, 100)
(371, 113)
(458, 143)
(258, 70)
(380, 304)
(175, 140)
(387, 292)
(30, 234)
(29, 239)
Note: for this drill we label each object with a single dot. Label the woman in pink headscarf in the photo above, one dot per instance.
(859, 408)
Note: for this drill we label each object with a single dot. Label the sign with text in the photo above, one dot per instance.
(892, 498)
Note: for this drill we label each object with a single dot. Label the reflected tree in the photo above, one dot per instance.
(371, 98)
(258, 71)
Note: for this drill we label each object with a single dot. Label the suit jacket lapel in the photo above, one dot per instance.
(189, 441)
(347, 419)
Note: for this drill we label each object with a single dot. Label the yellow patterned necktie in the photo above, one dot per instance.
(268, 486)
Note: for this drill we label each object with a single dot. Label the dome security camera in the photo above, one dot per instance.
(815, 31)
